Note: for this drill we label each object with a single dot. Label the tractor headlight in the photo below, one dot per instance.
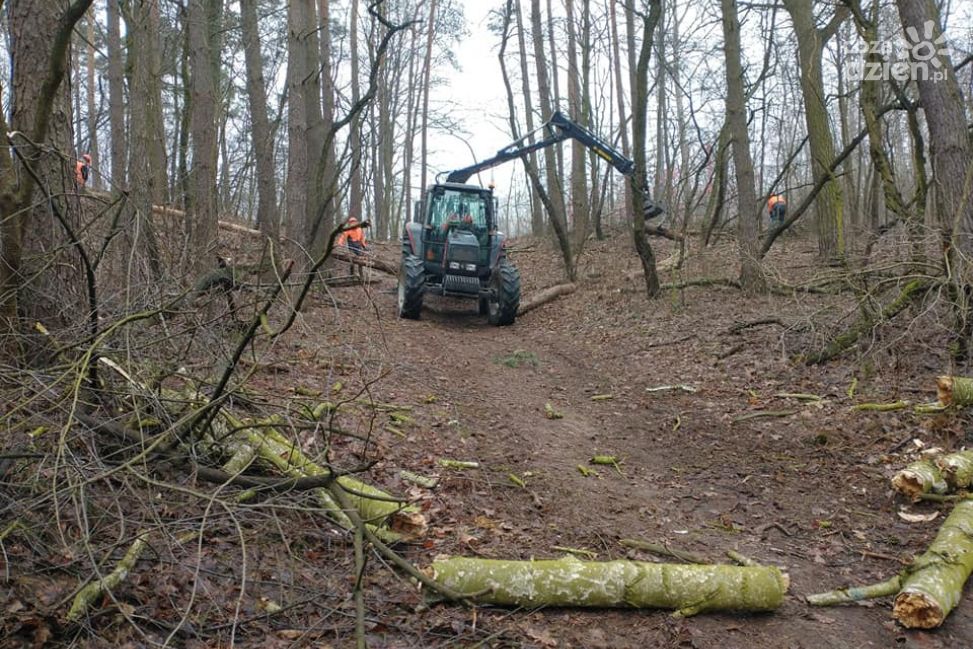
(454, 265)
(470, 267)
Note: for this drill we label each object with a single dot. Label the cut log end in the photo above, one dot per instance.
(410, 524)
(909, 485)
(944, 390)
(915, 610)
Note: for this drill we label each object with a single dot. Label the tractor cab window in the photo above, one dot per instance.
(460, 210)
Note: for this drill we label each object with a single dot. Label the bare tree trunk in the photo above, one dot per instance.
(557, 216)
(325, 177)
(748, 207)
(94, 180)
(952, 160)
(426, 82)
(116, 96)
(829, 205)
(639, 179)
(579, 180)
(620, 94)
(263, 142)
(202, 38)
(297, 172)
(536, 213)
(153, 99)
(40, 107)
(143, 135)
(355, 138)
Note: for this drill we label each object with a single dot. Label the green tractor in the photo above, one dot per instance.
(454, 248)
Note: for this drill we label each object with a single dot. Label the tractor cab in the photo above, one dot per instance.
(457, 229)
(452, 248)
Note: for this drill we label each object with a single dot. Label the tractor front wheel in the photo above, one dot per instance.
(503, 304)
(412, 283)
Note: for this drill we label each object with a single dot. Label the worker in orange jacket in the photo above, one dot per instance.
(82, 168)
(777, 208)
(353, 238)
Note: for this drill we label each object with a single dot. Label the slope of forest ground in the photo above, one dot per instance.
(806, 490)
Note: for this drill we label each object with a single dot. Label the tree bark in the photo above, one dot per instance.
(116, 96)
(297, 173)
(952, 161)
(203, 52)
(829, 208)
(639, 179)
(556, 209)
(748, 207)
(268, 219)
(689, 589)
(935, 585)
(38, 67)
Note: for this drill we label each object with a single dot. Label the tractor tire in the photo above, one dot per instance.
(502, 307)
(412, 284)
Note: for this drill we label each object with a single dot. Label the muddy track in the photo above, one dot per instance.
(801, 491)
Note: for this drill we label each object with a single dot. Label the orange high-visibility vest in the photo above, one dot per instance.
(774, 199)
(357, 235)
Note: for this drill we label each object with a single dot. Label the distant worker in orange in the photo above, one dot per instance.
(354, 239)
(777, 209)
(82, 168)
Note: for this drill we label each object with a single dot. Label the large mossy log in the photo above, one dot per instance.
(568, 581)
(934, 585)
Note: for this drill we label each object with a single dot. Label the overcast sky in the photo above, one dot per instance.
(476, 91)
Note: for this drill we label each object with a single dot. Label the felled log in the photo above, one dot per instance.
(919, 478)
(543, 297)
(935, 583)
(368, 261)
(391, 518)
(568, 581)
(957, 469)
(955, 390)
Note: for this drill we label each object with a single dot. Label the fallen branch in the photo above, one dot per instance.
(664, 550)
(856, 594)
(881, 407)
(93, 591)
(689, 589)
(910, 292)
(543, 297)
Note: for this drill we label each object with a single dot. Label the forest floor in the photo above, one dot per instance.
(807, 489)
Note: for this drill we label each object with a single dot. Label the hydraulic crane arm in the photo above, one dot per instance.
(559, 128)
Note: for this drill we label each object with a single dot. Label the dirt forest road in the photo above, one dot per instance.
(806, 489)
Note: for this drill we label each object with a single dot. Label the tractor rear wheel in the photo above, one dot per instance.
(503, 305)
(412, 283)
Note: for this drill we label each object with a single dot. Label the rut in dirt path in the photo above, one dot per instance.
(508, 405)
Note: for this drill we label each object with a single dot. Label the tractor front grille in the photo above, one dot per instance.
(461, 284)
